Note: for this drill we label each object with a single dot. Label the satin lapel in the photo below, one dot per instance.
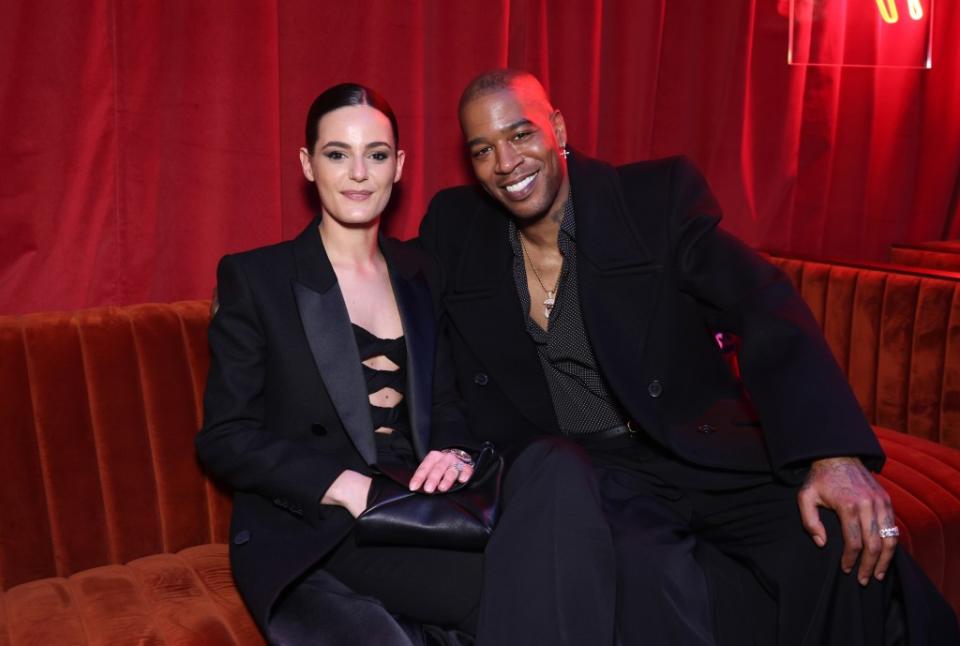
(326, 324)
(485, 309)
(618, 279)
(419, 331)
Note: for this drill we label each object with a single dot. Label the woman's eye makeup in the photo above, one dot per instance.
(375, 155)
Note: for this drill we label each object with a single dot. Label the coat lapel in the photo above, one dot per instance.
(419, 330)
(330, 337)
(618, 279)
(484, 307)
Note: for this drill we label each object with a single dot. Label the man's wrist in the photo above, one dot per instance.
(839, 459)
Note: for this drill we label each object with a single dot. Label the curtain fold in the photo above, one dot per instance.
(142, 141)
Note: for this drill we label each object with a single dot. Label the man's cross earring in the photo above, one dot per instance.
(564, 151)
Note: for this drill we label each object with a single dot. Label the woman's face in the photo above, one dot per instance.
(354, 164)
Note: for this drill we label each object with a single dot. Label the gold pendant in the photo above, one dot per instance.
(548, 304)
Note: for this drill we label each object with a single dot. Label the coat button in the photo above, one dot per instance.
(243, 536)
(481, 379)
(706, 429)
(655, 388)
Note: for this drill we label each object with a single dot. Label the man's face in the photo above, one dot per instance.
(514, 139)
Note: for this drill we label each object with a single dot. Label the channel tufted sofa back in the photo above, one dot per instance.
(100, 408)
(109, 531)
(897, 336)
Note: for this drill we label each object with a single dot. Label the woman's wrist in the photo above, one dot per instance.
(460, 454)
(350, 491)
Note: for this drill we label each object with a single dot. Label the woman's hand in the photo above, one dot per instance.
(349, 490)
(439, 470)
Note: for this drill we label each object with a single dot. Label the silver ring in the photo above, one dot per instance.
(457, 466)
(889, 532)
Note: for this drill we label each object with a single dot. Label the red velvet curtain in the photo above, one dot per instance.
(143, 140)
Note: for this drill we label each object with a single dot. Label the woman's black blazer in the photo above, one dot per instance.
(286, 408)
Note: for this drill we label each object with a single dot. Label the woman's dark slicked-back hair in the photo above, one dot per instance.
(341, 96)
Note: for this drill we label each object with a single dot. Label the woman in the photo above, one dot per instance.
(323, 365)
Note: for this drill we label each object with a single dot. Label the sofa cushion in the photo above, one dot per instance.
(923, 480)
(183, 598)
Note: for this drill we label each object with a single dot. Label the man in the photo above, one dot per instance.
(582, 300)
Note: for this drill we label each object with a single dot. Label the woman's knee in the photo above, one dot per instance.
(321, 610)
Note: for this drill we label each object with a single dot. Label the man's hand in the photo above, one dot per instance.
(845, 486)
(438, 471)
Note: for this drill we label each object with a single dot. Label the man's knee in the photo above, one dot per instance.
(551, 483)
(552, 453)
(835, 540)
(553, 463)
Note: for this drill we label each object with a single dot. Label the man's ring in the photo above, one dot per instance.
(458, 467)
(889, 532)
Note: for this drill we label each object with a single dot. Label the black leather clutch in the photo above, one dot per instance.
(462, 518)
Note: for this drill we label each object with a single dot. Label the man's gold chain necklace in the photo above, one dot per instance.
(549, 301)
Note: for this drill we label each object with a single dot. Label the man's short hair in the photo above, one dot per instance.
(493, 81)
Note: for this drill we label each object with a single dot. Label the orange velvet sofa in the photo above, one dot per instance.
(895, 330)
(111, 534)
(109, 531)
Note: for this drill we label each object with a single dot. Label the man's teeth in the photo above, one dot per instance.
(522, 184)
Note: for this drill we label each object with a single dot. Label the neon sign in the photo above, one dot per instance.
(861, 33)
(888, 10)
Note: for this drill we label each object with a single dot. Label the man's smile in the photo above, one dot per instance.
(522, 187)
